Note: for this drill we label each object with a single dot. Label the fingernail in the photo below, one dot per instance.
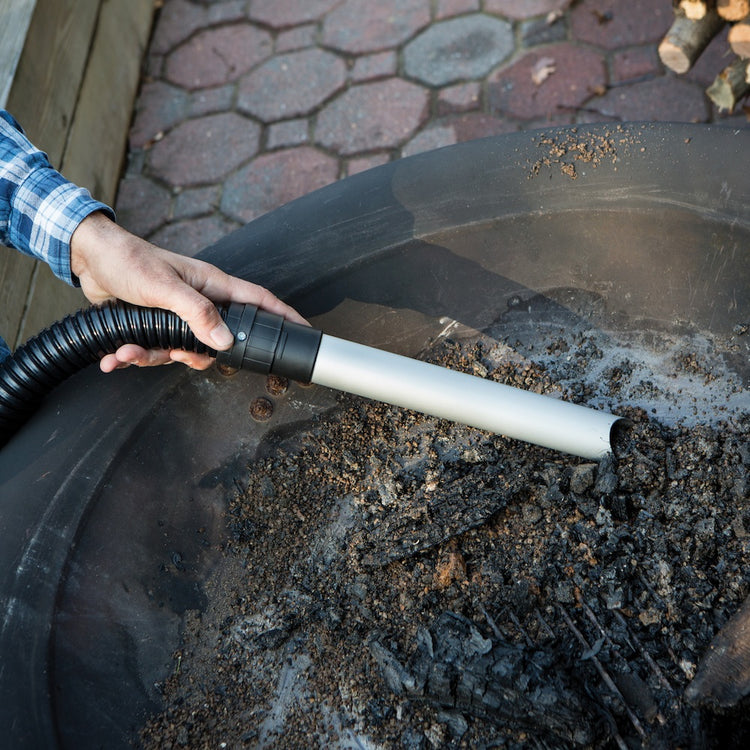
(222, 336)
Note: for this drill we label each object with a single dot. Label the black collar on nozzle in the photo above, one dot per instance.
(265, 342)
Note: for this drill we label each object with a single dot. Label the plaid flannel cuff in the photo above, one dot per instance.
(46, 211)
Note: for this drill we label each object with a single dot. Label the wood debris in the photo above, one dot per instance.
(542, 69)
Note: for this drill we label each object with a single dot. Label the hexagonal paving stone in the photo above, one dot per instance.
(435, 136)
(662, 99)
(218, 55)
(358, 26)
(191, 236)
(204, 150)
(456, 129)
(274, 179)
(525, 9)
(578, 73)
(462, 48)
(373, 116)
(159, 107)
(142, 205)
(179, 19)
(284, 13)
(619, 23)
(308, 78)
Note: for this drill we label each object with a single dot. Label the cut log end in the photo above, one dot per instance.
(739, 38)
(695, 9)
(674, 57)
(686, 40)
(733, 10)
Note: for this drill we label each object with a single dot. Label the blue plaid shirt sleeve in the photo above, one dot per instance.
(39, 208)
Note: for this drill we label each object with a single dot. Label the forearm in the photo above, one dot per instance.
(39, 209)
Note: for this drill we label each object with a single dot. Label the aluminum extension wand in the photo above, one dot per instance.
(267, 343)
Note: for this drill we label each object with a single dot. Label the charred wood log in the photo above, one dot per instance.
(687, 38)
(455, 667)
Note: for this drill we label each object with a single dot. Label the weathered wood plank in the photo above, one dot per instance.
(98, 135)
(16, 271)
(49, 299)
(15, 18)
(50, 70)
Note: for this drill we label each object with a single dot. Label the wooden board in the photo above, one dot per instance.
(98, 136)
(49, 299)
(50, 71)
(15, 18)
(73, 92)
(16, 271)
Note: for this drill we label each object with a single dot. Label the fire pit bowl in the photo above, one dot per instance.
(113, 497)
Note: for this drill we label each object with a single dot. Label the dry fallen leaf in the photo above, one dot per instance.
(542, 69)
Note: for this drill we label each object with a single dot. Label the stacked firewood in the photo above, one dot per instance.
(696, 23)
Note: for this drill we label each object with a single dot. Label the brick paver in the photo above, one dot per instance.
(312, 74)
(205, 149)
(358, 26)
(578, 74)
(284, 13)
(246, 104)
(524, 8)
(662, 99)
(179, 19)
(461, 48)
(217, 56)
(610, 24)
(372, 116)
(276, 178)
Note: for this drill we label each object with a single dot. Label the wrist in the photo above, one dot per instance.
(89, 235)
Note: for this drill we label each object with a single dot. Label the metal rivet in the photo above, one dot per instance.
(226, 370)
(277, 385)
(261, 409)
(241, 336)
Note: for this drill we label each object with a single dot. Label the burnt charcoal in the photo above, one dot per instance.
(606, 476)
(439, 518)
(637, 694)
(582, 478)
(425, 513)
(454, 666)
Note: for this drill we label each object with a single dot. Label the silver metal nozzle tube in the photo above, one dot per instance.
(440, 392)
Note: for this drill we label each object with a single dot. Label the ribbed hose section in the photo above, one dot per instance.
(75, 342)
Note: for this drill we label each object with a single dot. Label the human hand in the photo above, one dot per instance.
(111, 262)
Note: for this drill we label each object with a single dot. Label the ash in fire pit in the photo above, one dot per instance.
(392, 580)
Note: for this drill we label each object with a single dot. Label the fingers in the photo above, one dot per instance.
(224, 288)
(193, 296)
(132, 354)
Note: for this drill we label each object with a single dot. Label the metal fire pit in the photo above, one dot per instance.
(112, 496)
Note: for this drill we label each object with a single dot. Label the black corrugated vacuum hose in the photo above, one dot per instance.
(264, 342)
(267, 343)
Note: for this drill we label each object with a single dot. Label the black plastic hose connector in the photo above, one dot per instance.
(263, 343)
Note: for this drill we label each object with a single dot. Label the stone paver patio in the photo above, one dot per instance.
(248, 104)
